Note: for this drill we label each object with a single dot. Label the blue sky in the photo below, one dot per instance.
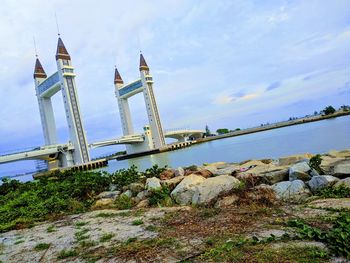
(231, 64)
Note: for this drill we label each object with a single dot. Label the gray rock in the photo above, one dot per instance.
(143, 204)
(299, 171)
(142, 195)
(226, 171)
(184, 191)
(273, 177)
(321, 181)
(136, 187)
(289, 160)
(108, 194)
(226, 201)
(173, 182)
(342, 169)
(179, 172)
(210, 189)
(291, 190)
(128, 193)
(153, 183)
(313, 173)
(345, 182)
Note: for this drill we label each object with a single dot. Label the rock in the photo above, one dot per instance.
(226, 171)
(212, 169)
(142, 195)
(179, 172)
(321, 181)
(153, 183)
(203, 172)
(328, 163)
(313, 172)
(108, 194)
(342, 169)
(167, 174)
(299, 171)
(218, 165)
(291, 190)
(103, 203)
(276, 176)
(183, 192)
(127, 193)
(211, 188)
(289, 160)
(226, 201)
(143, 204)
(173, 182)
(345, 182)
(136, 188)
(339, 154)
(333, 203)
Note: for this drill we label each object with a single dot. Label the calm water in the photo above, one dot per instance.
(315, 137)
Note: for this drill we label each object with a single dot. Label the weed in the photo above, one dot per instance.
(66, 253)
(124, 202)
(81, 223)
(315, 162)
(151, 228)
(51, 229)
(19, 242)
(137, 222)
(106, 215)
(154, 171)
(341, 191)
(131, 240)
(106, 237)
(208, 212)
(80, 235)
(160, 197)
(42, 246)
(87, 243)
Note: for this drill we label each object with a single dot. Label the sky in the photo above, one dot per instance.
(227, 63)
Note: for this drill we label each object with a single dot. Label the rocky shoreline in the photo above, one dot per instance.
(226, 212)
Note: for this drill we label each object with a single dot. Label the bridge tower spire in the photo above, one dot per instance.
(45, 106)
(123, 104)
(157, 135)
(71, 104)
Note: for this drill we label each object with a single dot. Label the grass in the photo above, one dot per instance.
(87, 243)
(137, 222)
(239, 251)
(106, 237)
(51, 229)
(106, 215)
(123, 202)
(19, 242)
(80, 235)
(81, 223)
(41, 246)
(67, 253)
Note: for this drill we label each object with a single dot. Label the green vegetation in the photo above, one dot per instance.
(137, 222)
(19, 242)
(337, 238)
(222, 131)
(329, 110)
(87, 243)
(81, 223)
(315, 162)
(106, 237)
(81, 235)
(66, 253)
(341, 191)
(51, 229)
(160, 197)
(42, 246)
(123, 202)
(106, 215)
(68, 192)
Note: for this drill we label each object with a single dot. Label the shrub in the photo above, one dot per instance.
(125, 177)
(42, 246)
(106, 237)
(124, 202)
(67, 253)
(137, 222)
(315, 162)
(341, 191)
(154, 171)
(160, 197)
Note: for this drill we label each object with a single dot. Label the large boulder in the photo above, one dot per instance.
(328, 163)
(276, 176)
(142, 195)
(299, 171)
(210, 189)
(289, 160)
(342, 169)
(321, 181)
(179, 172)
(227, 170)
(136, 188)
(217, 165)
(291, 190)
(203, 172)
(167, 174)
(173, 182)
(103, 203)
(127, 193)
(184, 191)
(153, 183)
(344, 182)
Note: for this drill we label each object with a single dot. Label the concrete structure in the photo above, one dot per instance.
(184, 135)
(154, 137)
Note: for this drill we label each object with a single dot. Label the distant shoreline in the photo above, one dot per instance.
(274, 126)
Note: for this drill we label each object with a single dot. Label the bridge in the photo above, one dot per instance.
(77, 151)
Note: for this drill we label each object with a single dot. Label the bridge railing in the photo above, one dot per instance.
(23, 150)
